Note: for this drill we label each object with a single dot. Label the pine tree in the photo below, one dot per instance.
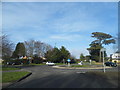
(57, 55)
(82, 57)
(96, 45)
(64, 53)
(19, 50)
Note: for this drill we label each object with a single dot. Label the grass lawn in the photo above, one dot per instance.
(59, 64)
(12, 76)
(98, 63)
(0, 77)
(8, 68)
(118, 64)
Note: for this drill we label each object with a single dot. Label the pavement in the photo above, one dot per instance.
(48, 77)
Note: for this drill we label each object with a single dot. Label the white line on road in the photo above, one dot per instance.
(80, 72)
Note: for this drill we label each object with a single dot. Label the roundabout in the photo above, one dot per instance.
(64, 77)
(91, 67)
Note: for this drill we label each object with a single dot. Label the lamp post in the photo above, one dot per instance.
(103, 50)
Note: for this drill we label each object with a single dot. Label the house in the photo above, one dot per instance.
(1, 60)
(25, 57)
(116, 57)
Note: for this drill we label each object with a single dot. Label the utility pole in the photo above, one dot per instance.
(100, 57)
(103, 62)
(103, 50)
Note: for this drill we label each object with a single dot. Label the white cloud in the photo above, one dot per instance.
(76, 26)
(58, 22)
(25, 14)
(78, 51)
(66, 37)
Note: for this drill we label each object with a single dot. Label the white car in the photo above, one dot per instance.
(50, 63)
(80, 63)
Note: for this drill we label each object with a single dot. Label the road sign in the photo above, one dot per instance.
(102, 50)
(68, 60)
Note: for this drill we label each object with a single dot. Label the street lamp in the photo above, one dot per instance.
(103, 50)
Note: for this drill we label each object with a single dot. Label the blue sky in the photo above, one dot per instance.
(67, 24)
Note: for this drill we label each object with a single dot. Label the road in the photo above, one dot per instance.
(48, 77)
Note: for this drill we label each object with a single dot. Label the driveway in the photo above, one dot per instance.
(48, 77)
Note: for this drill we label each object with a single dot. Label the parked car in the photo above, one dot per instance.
(80, 63)
(50, 63)
(13, 63)
(110, 64)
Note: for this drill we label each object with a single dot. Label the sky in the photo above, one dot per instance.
(68, 24)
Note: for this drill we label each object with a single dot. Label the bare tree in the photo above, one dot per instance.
(45, 47)
(29, 45)
(36, 47)
(7, 47)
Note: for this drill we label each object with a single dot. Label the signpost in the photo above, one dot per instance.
(103, 50)
(90, 62)
(68, 62)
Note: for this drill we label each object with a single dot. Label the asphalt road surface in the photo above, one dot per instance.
(48, 77)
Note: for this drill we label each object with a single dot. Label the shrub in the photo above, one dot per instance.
(16, 62)
(37, 60)
(93, 62)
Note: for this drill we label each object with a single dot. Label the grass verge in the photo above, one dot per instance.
(37, 64)
(80, 65)
(59, 64)
(8, 68)
(12, 76)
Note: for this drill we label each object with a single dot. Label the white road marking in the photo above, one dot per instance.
(80, 72)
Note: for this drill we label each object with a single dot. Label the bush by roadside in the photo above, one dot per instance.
(16, 62)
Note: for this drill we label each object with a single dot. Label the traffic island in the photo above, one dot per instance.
(80, 67)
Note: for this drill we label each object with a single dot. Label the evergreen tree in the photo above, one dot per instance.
(102, 38)
(57, 55)
(64, 53)
(94, 51)
(53, 55)
(96, 45)
(19, 50)
(82, 57)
